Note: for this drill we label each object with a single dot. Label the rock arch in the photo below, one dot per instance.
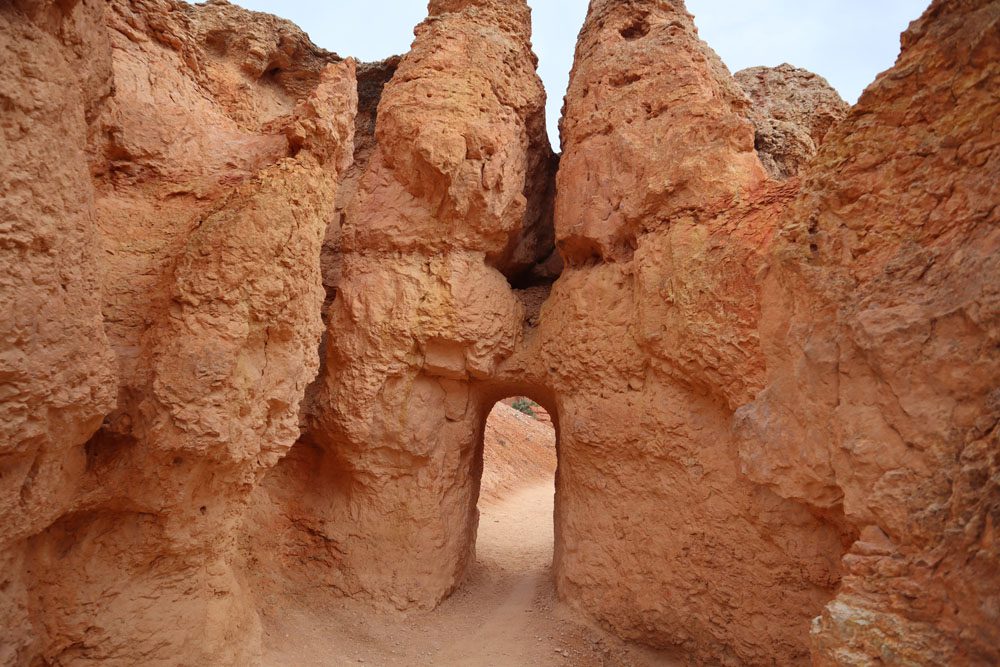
(776, 395)
(426, 332)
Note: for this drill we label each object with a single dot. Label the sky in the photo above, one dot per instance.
(847, 41)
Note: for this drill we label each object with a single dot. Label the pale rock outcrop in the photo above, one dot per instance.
(792, 109)
(881, 322)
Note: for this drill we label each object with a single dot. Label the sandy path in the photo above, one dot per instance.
(504, 615)
(513, 548)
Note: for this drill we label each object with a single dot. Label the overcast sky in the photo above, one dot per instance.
(846, 41)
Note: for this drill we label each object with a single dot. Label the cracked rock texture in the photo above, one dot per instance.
(57, 370)
(649, 343)
(880, 327)
(792, 109)
(259, 301)
(454, 182)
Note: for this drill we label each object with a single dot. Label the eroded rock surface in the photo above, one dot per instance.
(421, 311)
(792, 110)
(262, 300)
(880, 331)
(191, 198)
(624, 107)
(649, 343)
(57, 375)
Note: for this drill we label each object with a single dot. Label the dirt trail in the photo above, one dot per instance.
(514, 552)
(504, 615)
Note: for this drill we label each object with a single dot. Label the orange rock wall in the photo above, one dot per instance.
(192, 198)
(648, 341)
(422, 306)
(57, 375)
(880, 332)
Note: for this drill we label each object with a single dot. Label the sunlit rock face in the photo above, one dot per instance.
(261, 300)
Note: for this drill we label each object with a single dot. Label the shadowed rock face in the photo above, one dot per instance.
(792, 110)
(770, 353)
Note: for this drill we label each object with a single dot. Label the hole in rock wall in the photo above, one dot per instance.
(533, 298)
(516, 471)
(636, 29)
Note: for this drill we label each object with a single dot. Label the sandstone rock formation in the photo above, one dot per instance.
(196, 194)
(880, 324)
(625, 110)
(792, 110)
(422, 306)
(648, 340)
(261, 300)
(57, 376)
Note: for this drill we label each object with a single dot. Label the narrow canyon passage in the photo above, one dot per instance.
(504, 614)
(259, 299)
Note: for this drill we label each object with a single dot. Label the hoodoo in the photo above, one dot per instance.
(259, 301)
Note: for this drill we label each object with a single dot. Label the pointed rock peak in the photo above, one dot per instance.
(792, 110)
(514, 15)
(654, 128)
(438, 7)
(461, 136)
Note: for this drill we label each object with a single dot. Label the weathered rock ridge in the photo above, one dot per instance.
(792, 109)
(880, 329)
(260, 301)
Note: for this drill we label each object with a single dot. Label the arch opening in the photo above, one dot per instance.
(518, 447)
(514, 473)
